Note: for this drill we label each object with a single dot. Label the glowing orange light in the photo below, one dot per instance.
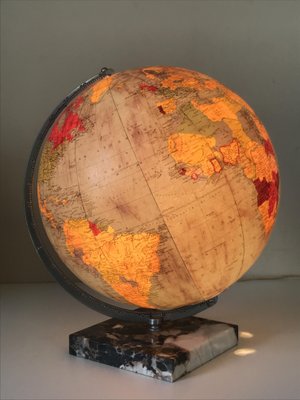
(246, 335)
(244, 352)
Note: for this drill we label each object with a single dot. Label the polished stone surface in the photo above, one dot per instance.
(176, 349)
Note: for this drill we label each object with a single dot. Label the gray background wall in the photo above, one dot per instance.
(49, 47)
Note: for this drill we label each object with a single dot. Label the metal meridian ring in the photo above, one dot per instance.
(50, 258)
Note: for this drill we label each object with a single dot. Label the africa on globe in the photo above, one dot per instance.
(157, 187)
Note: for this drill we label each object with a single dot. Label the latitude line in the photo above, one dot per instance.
(189, 273)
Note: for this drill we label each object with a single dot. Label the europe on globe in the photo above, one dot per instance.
(157, 187)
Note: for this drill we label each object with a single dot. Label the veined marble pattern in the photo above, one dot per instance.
(176, 349)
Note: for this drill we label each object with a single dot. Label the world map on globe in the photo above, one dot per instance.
(157, 186)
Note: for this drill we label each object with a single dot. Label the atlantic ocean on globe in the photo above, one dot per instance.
(157, 187)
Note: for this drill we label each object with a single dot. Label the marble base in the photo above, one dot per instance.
(177, 348)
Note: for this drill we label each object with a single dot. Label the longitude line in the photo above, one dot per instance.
(153, 195)
(110, 288)
(240, 221)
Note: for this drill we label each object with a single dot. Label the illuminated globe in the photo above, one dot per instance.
(157, 187)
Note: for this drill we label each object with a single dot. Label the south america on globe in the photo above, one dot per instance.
(157, 187)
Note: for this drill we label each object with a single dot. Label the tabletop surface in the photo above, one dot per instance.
(36, 320)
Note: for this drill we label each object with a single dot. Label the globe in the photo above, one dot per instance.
(157, 187)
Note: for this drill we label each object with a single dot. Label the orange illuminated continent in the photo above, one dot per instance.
(100, 88)
(200, 156)
(44, 209)
(258, 162)
(167, 106)
(195, 151)
(127, 262)
(230, 152)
